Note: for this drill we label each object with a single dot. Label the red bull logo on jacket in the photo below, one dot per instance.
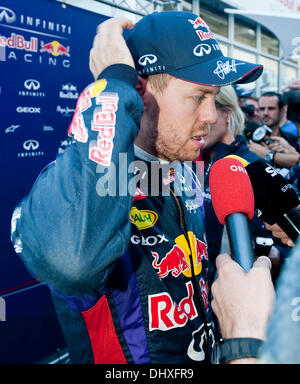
(180, 258)
(165, 314)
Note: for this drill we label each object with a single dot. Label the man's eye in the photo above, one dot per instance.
(197, 98)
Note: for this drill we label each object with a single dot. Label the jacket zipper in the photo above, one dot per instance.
(183, 227)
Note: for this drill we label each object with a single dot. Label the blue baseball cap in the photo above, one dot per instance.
(182, 45)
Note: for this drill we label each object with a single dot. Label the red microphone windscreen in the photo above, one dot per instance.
(230, 188)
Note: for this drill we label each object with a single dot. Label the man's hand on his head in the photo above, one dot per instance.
(109, 46)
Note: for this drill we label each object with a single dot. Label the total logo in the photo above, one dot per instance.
(68, 91)
(32, 87)
(179, 259)
(31, 147)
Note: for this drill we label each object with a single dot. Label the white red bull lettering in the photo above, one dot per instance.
(84, 102)
(104, 121)
(165, 314)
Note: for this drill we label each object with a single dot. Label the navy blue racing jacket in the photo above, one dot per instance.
(131, 261)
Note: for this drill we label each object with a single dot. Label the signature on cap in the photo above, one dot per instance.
(223, 69)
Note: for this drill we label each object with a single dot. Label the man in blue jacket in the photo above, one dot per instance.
(133, 263)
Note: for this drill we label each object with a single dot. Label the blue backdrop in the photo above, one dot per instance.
(44, 59)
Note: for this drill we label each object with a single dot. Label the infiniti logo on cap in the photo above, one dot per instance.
(147, 59)
(202, 49)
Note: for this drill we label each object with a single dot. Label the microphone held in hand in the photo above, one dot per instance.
(233, 202)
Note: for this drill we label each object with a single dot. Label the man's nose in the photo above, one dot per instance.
(208, 112)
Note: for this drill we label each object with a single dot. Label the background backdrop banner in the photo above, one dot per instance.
(44, 65)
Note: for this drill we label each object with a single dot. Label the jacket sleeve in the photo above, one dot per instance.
(74, 224)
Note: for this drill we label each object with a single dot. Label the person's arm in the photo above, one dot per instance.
(67, 231)
(242, 301)
(286, 160)
(282, 160)
(279, 144)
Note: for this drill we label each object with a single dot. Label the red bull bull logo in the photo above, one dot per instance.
(55, 48)
(174, 262)
(178, 260)
(198, 23)
(201, 252)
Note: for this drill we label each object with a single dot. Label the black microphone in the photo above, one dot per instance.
(275, 198)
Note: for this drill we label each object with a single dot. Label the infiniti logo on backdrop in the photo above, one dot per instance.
(32, 84)
(31, 145)
(7, 14)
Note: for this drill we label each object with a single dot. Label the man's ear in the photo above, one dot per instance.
(141, 88)
(284, 109)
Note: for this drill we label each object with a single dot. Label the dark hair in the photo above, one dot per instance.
(278, 95)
